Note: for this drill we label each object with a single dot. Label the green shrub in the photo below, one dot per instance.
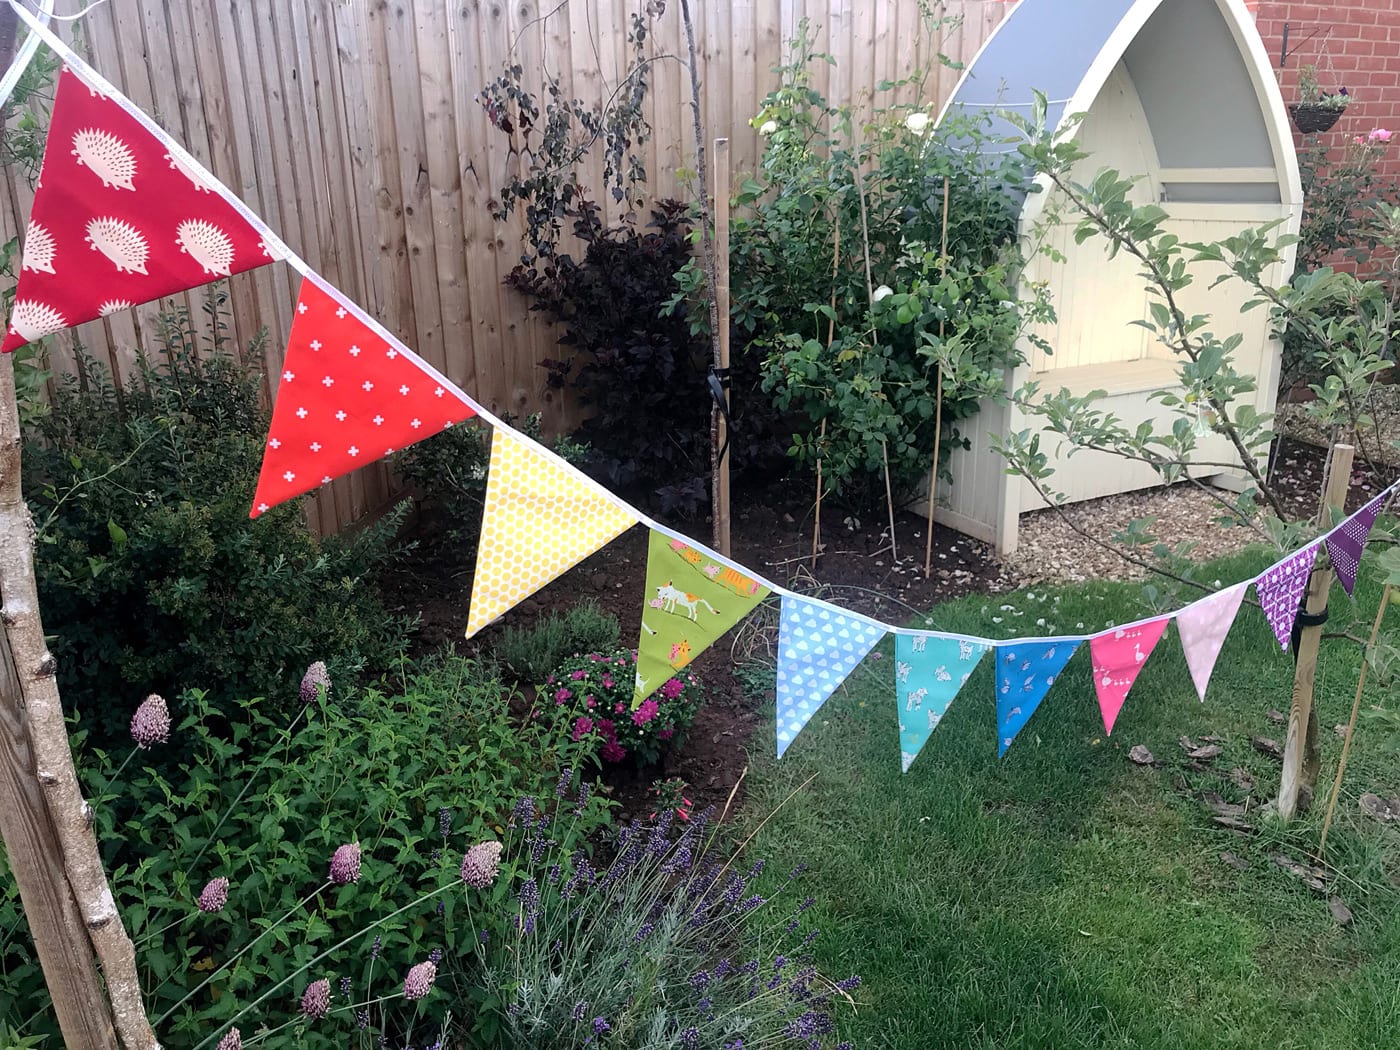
(416, 775)
(529, 653)
(151, 575)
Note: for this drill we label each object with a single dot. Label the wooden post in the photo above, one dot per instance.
(722, 309)
(1351, 725)
(938, 401)
(1302, 754)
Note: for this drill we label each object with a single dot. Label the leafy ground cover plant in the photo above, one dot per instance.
(591, 695)
(150, 574)
(675, 942)
(292, 886)
(529, 654)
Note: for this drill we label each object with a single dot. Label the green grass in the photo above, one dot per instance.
(1064, 897)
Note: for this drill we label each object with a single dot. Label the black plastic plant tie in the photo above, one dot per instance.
(1304, 619)
(719, 384)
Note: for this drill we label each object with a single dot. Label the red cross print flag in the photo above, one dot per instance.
(347, 397)
(120, 217)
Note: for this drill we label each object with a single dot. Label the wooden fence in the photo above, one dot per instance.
(351, 127)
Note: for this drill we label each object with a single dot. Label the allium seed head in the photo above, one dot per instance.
(316, 1000)
(151, 722)
(419, 980)
(345, 864)
(481, 863)
(214, 896)
(232, 1040)
(315, 683)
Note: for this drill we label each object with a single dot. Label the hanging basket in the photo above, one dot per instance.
(1310, 118)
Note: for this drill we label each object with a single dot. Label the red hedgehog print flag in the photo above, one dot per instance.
(121, 216)
(347, 397)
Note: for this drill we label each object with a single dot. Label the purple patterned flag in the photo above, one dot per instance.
(1281, 590)
(1345, 543)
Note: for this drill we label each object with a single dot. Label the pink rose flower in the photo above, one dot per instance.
(1379, 135)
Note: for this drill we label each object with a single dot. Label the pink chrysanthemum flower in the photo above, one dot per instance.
(646, 712)
(316, 1000)
(214, 895)
(232, 1040)
(673, 688)
(151, 722)
(315, 683)
(419, 980)
(345, 864)
(480, 865)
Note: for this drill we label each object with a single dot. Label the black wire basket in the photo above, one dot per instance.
(1311, 118)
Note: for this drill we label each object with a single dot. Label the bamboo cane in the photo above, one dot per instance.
(938, 400)
(830, 335)
(721, 164)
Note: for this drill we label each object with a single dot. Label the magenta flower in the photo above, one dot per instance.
(345, 864)
(316, 1000)
(562, 695)
(645, 713)
(151, 722)
(232, 1040)
(666, 733)
(1379, 135)
(315, 684)
(613, 751)
(607, 681)
(589, 702)
(419, 980)
(673, 688)
(480, 865)
(582, 727)
(214, 895)
(576, 675)
(619, 707)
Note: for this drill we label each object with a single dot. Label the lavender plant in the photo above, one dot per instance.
(672, 943)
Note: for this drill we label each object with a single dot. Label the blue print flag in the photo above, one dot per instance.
(1025, 673)
(817, 648)
(928, 672)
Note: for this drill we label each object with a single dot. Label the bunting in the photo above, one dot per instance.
(818, 648)
(1202, 626)
(1118, 657)
(1344, 544)
(1025, 672)
(691, 599)
(1281, 591)
(347, 397)
(929, 671)
(540, 520)
(121, 216)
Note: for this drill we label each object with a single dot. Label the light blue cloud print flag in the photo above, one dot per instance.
(1025, 673)
(817, 648)
(928, 672)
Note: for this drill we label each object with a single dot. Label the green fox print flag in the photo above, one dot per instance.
(691, 599)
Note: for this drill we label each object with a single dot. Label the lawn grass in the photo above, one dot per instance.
(1064, 897)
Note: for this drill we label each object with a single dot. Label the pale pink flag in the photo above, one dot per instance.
(1203, 626)
(1118, 656)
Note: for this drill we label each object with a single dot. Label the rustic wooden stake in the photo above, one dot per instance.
(817, 515)
(42, 715)
(1302, 753)
(938, 401)
(889, 501)
(1351, 725)
(722, 435)
(830, 335)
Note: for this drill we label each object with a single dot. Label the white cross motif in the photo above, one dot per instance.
(354, 351)
(367, 386)
(315, 344)
(340, 417)
(404, 390)
(378, 421)
(439, 392)
(340, 312)
(288, 376)
(302, 413)
(416, 423)
(262, 508)
(315, 446)
(327, 382)
(353, 451)
(388, 452)
(274, 443)
(301, 308)
(326, 480)
(391, 353)
(289, 476)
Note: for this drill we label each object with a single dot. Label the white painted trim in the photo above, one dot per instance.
(1241, 214)
(972, 64)
(1245, 175)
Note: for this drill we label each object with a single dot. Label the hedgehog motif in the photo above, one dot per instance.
(106, 156)
(39, 249)
(34, 320)
(188, 172)
(207, 245)
(114, 306)
(119, 241)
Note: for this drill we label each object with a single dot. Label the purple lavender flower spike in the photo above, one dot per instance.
(419, 980)
(151, 722)
(345, 864)
(316, 1000)
(214, 895)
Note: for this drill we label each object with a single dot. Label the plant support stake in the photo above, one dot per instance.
(937, 399)
(723, 436)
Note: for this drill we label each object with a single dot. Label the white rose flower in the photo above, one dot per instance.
(881, 292)
(768, 127)
(917, 123)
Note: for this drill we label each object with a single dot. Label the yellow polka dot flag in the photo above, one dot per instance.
(540, 521)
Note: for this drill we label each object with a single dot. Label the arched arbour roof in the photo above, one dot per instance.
(1199, 66)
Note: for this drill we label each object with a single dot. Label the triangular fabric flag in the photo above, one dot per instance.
(1345, 543)
(1203, 626)
(1281, 590)
(121, 216)
(691, 599)
(1025, 673)
(818, 648)
(929, 670)
(1118, 656)
(541, 520)
(347, 397)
